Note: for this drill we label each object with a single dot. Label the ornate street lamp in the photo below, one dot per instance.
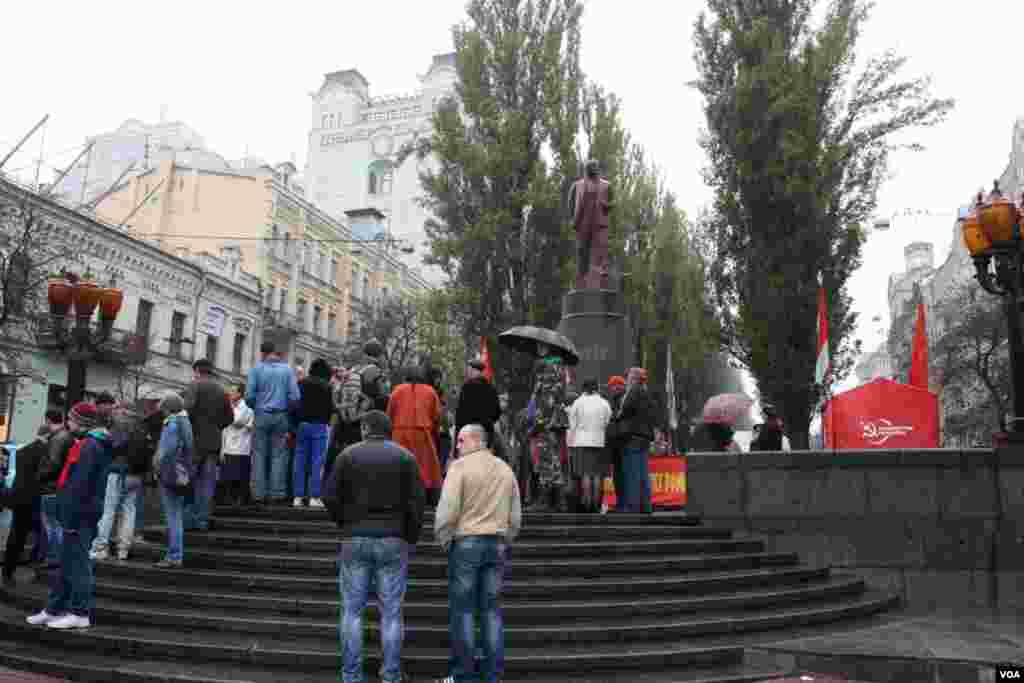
(85, 339)
(992, 234)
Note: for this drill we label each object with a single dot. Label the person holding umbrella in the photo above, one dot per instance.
(547, 418)
(715, 432)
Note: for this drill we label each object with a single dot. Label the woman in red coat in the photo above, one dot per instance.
(415, 412)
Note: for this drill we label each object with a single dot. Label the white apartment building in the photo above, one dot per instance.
(134, 141)
(354, 140)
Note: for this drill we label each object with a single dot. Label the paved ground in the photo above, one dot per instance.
(941, 646)
(8, 676)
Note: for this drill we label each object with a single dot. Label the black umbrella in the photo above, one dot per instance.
(528, 339)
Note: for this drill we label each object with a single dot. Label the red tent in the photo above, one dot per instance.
(883, 414)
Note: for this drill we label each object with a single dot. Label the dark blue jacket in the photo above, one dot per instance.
(80, 502)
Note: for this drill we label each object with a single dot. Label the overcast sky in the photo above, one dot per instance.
(241, 74)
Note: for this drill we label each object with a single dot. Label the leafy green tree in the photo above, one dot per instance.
(439, 338)
(797, 148)
(503, 154)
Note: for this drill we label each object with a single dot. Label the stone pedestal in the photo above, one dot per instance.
(595, 320)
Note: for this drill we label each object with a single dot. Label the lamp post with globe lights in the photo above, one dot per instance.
(86, 338)
(992, 234)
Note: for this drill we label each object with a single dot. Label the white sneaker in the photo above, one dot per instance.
(69, 621)
(316, 503)
(100, 555)
(42, 619)
(297, 503)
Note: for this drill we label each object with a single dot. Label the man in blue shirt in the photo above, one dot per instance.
(270, 391)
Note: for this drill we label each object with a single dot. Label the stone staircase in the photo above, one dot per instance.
(644, 598)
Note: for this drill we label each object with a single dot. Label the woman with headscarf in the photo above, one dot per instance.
(175, 473)
(415, 412)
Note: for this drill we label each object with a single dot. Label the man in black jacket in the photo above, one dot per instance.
(19, 500)
(376, 497)
(478, 404)
(210, 412)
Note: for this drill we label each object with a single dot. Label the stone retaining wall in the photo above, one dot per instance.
(942, 527)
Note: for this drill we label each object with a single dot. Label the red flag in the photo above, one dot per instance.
(919, 355)
(485, 358)
(822, 355)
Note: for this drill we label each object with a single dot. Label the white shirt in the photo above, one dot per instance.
(237, 437)
(588, 417)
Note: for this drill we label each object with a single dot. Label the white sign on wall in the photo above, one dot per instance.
(214, 324)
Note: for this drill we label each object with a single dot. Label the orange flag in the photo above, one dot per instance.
(919, 354)
(485, 358)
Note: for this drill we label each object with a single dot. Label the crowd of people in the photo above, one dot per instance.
(374, 455)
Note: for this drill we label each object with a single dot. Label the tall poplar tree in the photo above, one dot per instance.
(797, 147)
(503, 153)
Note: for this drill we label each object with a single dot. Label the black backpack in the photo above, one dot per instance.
(374, 386)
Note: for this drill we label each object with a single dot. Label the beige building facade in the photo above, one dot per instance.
(315, 291)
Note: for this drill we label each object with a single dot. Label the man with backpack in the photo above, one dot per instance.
(79, 491)
(374, 387)
(130, 463)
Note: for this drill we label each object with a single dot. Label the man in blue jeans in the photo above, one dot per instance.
(270, 391)
(376, 496)
(478, 517)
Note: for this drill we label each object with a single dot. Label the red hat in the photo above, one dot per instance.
(86, 415)
(616, 381)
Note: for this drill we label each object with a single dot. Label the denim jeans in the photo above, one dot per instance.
(636, 478)
(270, 456)
(367, 561)
(310, 450)
(122, 494)
(197, 513)
(174, 508)
(476, 572)
(54, 535)
(72, 587)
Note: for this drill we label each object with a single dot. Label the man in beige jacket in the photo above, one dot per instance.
(478, 517)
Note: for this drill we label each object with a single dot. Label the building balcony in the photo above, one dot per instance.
(281, 320)
(114, 346)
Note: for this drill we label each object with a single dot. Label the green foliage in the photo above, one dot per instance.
(797, 148)
(503, 155)
(438, 337)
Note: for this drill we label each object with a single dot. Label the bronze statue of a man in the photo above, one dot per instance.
(590, 202)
